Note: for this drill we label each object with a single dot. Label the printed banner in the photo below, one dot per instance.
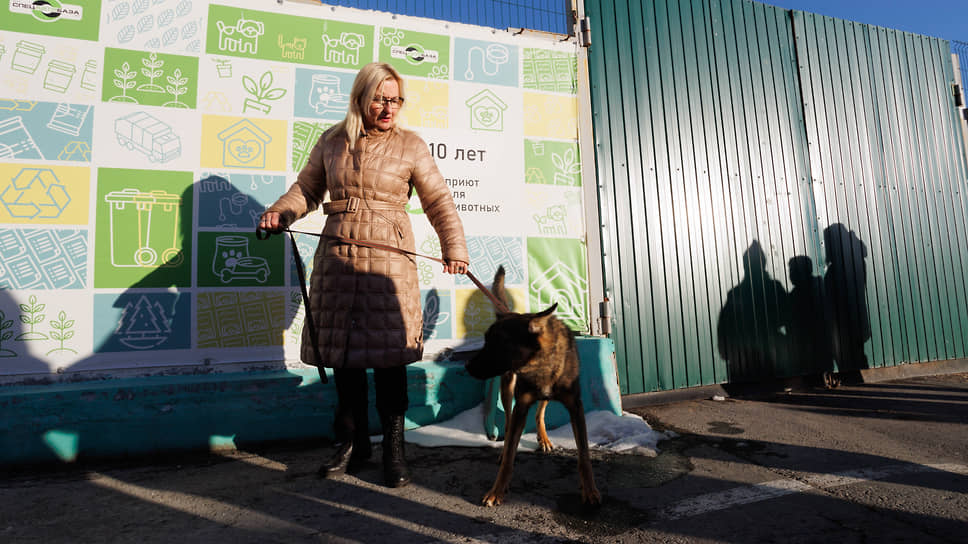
(140, 141)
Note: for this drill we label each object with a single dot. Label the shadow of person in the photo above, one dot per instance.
(808, 328)
(750, 325)
(480, 312)
(195, 301)
(151, 322)
(845, 287)
(477, 314)
(438, 323)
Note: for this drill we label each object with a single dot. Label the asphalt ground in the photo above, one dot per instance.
(864, 462)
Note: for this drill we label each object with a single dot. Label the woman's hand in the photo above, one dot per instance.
(271, 222)
(455, 267)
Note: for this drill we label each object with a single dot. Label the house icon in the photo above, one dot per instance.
(561, 284)
(487, 111)
(244, 145)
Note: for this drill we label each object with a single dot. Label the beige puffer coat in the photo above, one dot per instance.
(366, 302)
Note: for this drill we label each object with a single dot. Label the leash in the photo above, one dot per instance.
(263, 234)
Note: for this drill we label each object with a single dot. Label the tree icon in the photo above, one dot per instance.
(5, 334)
(61, 332)
(124, 80)
(31, 316)
(143, 324)
(143, 320)
(152, 70)
(176, 87)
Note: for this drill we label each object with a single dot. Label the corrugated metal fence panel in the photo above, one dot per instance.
(700, 145)
(734, 140)
(543, 15)
(890, 187)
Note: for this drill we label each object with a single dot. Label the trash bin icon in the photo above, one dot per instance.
(144, 226)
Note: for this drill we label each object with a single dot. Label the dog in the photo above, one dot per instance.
(536, 357)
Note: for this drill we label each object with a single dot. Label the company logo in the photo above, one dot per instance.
(47, 10)
(414, 54)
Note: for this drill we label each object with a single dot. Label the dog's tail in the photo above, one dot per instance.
(498, 289)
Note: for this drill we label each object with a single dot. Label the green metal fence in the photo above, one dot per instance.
(886, 159)
(763, 213)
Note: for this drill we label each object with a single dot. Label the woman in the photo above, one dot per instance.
(365, 301)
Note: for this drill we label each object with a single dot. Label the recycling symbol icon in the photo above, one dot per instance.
(35, 193)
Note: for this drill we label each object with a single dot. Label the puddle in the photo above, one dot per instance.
(723, 427)
(611, 518)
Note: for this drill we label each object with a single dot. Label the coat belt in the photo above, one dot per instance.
(353, 204)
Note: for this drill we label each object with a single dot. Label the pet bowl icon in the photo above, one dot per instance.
(233, 262)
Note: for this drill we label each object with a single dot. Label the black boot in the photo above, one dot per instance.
(350, 457)
(395, 472)
(362, 450)
(351, 454)
(338, 463)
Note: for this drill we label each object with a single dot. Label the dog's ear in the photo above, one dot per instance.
(498, 288)
(540, 320)
(551, 309)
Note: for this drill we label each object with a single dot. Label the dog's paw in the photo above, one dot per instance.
(591, 497)
(492, 499)
(545, 446)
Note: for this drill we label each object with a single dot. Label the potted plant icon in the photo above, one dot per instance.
(567, 167)
(261, 92)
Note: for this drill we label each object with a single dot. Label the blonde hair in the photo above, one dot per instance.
(366, 85)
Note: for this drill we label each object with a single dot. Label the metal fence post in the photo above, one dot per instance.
(959, 59)
(963, 110)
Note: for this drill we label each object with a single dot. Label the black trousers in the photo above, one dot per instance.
(390, 385)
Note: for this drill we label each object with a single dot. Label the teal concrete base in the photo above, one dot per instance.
(599, 389)
(123, 417)
(130, 417)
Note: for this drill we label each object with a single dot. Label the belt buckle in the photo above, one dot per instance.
(352, 204)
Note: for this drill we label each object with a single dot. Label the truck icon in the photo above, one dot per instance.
(148, 135)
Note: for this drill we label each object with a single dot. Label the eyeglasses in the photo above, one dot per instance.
(392, 103)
